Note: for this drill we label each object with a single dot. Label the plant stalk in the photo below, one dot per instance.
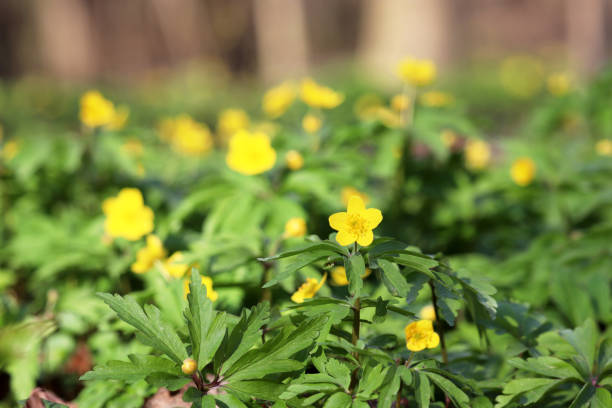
(355, 339)
(439, 323)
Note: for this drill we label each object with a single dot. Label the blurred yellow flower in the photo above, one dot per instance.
(127, 216)
(449, 138)
(428, 313)
(174, 266)
(250, 153)
(367, 105)
(318, 96)
(206, 281)
(119, 118)
(190, 137)
(388, 117)
(311, 123)
(400, 103)
(294, 160)
(133, 147)
(348, 192)
(96, 110)
(436, 99)
(604, 147)
(417, 72)
(146, 257)
(295, 227)
(523, 171)
(338, 275)
(477, 154)
(558, 84)
(421, 335)
(308, 289)
(10, 150)
(356, 224)
(278, 99)
(231, 121)
(165, 128)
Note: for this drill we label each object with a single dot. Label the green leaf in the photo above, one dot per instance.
(303, 260)
(266, 390)
(371, 380)
(51, 404)
(158, 333)
(405, 374)
(340, 372)
(602, 399)
(199, 316)
(355, 269)
(208, 401)
(228, 401)
(137, 368)
(458, 397)
(172, 382)
(389, 389)
(584, 396)
(547, 366)
(330, 247)
(584, 341)
(415, 261)
(393, 279)
(338, 400)
(265, 367)
(422, 389)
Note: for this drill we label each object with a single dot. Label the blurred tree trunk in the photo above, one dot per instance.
(282, 44)
(65, 40)
(392, 29)
(586, 34)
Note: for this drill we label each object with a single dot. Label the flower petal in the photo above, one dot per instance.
(373, 217)
(365, 239)
(433, 340)
(355, 205)
(320, 285)
(345, 238)
(338, 220)
(413, 344)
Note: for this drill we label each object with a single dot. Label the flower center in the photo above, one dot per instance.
(357, 224)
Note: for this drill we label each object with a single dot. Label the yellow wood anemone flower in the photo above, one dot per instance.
(295, 227)
(174, 265)
(189, 137)
(277, 100)
(96, 110)
(318, 96)
(421, 335)
(250, 153)
(400, 103)
(416, 72)
(231, 121)
(147, 256)
(523, 171)
(428, 313)
(294, 160)
(308, 289)
(356, 224)
(127, 216)
(338, 275)
(477, 154)
(311, 123)
(208, 283)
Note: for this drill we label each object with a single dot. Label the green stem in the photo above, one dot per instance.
(355, 339)
(439, 323)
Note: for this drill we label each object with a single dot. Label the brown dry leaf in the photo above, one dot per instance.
(39, 394)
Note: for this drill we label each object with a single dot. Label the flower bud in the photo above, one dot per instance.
(189, 366)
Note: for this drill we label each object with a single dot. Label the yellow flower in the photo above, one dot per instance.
(308, 289)
(294, 160)
(558, 84)
(317, 96)
(278, 99)
(10, 150)
(523, 171)
(231, 121)
(400, 103)
(356, 224)
(119, 118)
(417, 72)
(477, 154)
(420, 335)
(250, 153)
(189, 366)
(428, 313)
(96, 110)
(436, 99)
(190, 137)
(348, 192)
(146, 257)
(127, 216)
(173, 265)
(206, 281)
(338, 275)
(311, 123)
(295, 227)
(388, 117)
(449, 138)
(133, 147)
(604, 147)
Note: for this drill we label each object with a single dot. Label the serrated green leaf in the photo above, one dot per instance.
(584, 396)
(159, 334)
(302, 260)
(602, 399)
(266, 390)
(340, 372)
(393, 279)
(199, 316)
(584, 340)
(458, 397)
(328, 246)
(355, 269)
(136, 369)
(338, 400)
(389, 389)
(547, 366)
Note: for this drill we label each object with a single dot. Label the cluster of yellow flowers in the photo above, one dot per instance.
(97, 111)
(185, 135)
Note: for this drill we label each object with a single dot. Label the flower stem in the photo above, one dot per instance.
(439, 323)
